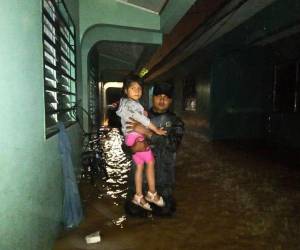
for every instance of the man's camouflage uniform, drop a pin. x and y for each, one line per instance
(164, 149)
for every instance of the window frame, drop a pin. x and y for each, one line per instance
(59, 66)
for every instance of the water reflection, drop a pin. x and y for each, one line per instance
(119, 222)
(117, 165)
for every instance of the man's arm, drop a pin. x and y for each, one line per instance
(171, 141)
(135, 126)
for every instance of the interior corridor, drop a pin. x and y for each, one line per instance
(229, 196)
(234, 70)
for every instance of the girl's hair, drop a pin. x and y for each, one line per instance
(129, 80)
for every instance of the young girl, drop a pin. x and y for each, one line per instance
(130, 107)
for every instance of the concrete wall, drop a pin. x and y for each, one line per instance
(198, 121)
(31, 176)
(234, 95)
(230, 95)
(114, 13)
(243, 79)
(239, 92)
(199, 73)
(177, 104)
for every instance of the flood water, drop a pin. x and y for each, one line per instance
(229, 196)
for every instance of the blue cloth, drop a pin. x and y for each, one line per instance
(72, 209)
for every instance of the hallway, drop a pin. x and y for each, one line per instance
(228, 197)
(234, 70)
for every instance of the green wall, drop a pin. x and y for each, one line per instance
(114, 13)
(243, 78)
(238, 95)
(195, 70)
(108, 12)
(173, 12)
(234, 80)
(177, 96)
(31, 175)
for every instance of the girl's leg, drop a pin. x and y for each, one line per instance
(152, 195)
(138, 178)
(150, 175)
(138, 198)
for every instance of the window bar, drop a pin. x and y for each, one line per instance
(70, 17)
(61, 18)
(66, 41)
(68, 60)
(48, 16)
(53, 89)
(48, 40)
(59, 65)
(59, 70)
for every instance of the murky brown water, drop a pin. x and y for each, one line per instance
(228, 197)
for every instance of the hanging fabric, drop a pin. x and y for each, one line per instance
(72, 209)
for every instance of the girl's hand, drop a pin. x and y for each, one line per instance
(145, 113)
(161, 131)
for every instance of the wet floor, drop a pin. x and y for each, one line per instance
(229, 196)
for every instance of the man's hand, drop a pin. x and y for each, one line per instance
(135, 126)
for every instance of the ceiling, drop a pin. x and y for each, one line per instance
(117, 59)
(154, 6)
(228, 17)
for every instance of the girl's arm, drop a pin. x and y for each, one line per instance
(134, 125)
(131, 111)
(156, 130)
(146, 122)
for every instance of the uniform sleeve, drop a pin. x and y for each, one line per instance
(176, 133)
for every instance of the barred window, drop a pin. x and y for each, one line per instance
(189, 94)
(93, 96)
(59, 65)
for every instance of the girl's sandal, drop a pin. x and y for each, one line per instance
(137, 200)
(150, 197)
